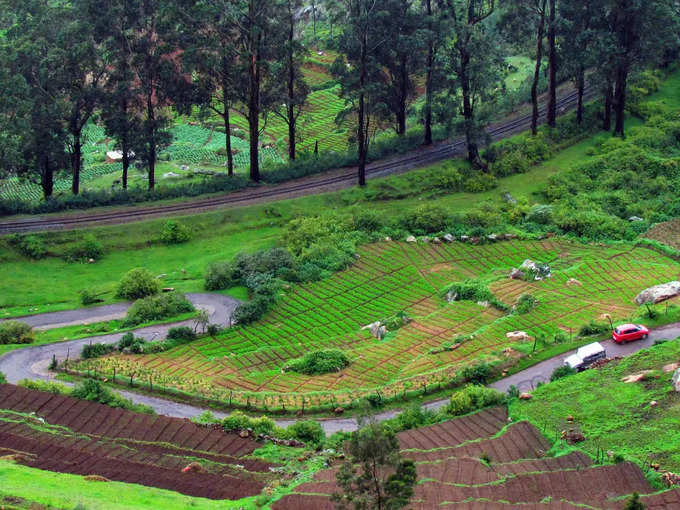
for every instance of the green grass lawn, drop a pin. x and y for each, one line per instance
(614, 415)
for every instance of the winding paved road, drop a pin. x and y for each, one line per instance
(32, 362)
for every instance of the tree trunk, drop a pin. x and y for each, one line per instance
(620, 100)
(225, 116)
(403, 96)
(552, 70)
(151, 139)
(47, 179)
(291, 87)
(537, 71)
(361, 135)
(580, 86)
(76, 162)
(468, 112)
(608, 98)
(428, 78)
(254, 99)
(125, 143)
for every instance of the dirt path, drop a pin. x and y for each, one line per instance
(32, 362)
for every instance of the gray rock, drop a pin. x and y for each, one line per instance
(492, 237)
(170, 175)
(516, 274)
(658, 293)
(464, 238)
(451, 296)
(508, 198)
(184, 168)
(676, 380)
(635, 218)
(411, 239)
(449, 238)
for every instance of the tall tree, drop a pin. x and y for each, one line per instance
(579, 31)
(474, 64)
(642, 29)
(33, 104)
(83, 71)
(209, 39)
(551, 113)
(258, 40)
(358, 67)
(374, 476)
(401, 58)
(295, 93)
(514, 22)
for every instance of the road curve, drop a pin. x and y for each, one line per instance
(32, 363)
(324, 182)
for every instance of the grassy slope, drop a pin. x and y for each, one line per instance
(614, 415)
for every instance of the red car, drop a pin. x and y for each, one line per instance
(629, 332)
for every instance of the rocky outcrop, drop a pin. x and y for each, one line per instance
(658, 293)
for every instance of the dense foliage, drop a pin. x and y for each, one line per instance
(154, 308)
(318, 363)
(15, 332)
(137, 284)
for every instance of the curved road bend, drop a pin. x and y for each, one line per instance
(320, 183)
(32, 362)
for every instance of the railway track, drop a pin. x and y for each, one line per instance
(416, 159)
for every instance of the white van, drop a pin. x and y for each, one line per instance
(586, 356)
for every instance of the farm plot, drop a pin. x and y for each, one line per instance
(516, 472)
(245, 363)
(667, 233)
(67, 435)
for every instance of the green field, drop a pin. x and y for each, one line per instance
(614, 415)
(244, 363)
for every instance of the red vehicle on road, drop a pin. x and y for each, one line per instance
(629, 332)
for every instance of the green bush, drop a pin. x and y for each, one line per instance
(30, 246)
(91, 351)
(3, 379)
(252, 310)
(562, 371)
(154, 308)
(472, 398)
(175, 232)
(594, 328)
(479, 183)
(308, 431)
(472, 290)
(15, 332)
(181, 333)
(220, 276)
(318, 363)
(368, 221)
(426, 219)
(526, 303)
(477, 374)
(137, 284)
(84, 250)
(89, 297)
(45, 386)
(94, 391)
(239, 421)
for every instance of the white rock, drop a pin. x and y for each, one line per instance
(411, 239)
(449, 238)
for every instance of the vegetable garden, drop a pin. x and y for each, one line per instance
(244, 365)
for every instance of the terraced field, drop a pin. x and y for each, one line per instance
(667, 233)
(67, 435)
(244, 364)
(517, 474)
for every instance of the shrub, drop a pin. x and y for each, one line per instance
(594, 328)
(3, 379)
(562, 371)
(308, 431)
(318, 362)
(175, 232)
(84, 250)
(89, 297)
(472, 398)
(15, 332)
(220, 276)
(94, 391)
(252, 310)
(137, 284)
(154, 308)
(426, 219)
(368, 221)
(181, 333)
(477, 374)
(45, 386)
(472, 290)
(96, 350)
(239, 421)
(541, 214)
(526, 303)
(30, 246)
(480, 183)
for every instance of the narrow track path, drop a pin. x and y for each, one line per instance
(325, 182)
(32, 362)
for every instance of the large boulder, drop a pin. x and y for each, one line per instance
(658, 293)
(676, 380)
